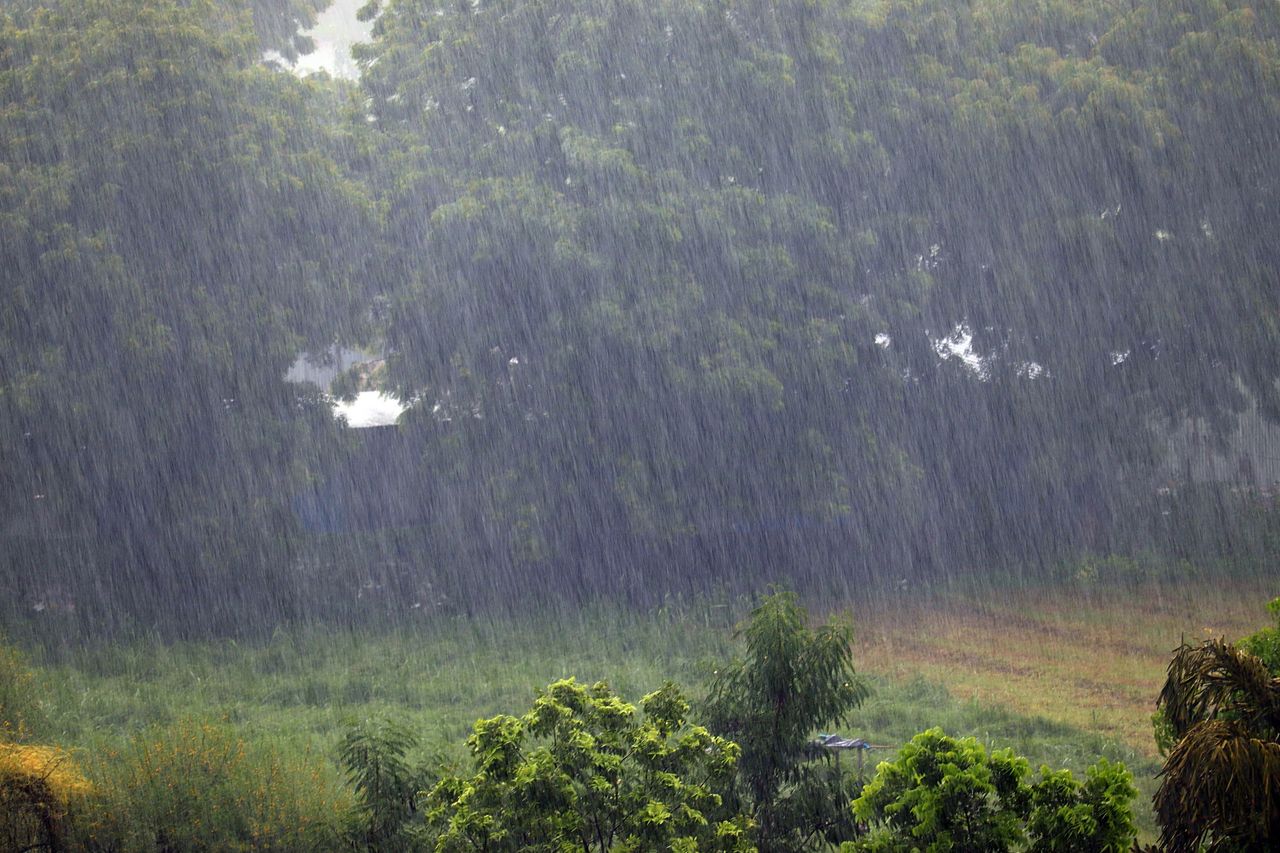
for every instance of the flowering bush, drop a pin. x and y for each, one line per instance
(38, 787)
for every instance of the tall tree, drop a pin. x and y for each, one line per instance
(175, 232)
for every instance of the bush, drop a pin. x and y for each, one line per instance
(584, 770)
(946, 794)
(39, 785)
(1265, 644)
(196, 786)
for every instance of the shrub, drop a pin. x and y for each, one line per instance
(1265, 644)
(584, 770)
(38, 786)
(197, 786)
(946, 794)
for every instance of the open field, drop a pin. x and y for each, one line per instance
(1092, 658)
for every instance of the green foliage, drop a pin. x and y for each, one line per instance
(279, 23)
(1163, 732)
(374, 756)
(1093, 816)
(197, 786)
(715, 225)
(19, 708)
(290, 696)
(793, 681)
(585, 770)
(167, 205)
(947, 794)
(1265, 644)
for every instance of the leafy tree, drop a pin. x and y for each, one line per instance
(584, 770)
(169, 212)
(279, 24)
(654, 277)
(947, 794)
(1094, 816)
(792, 682)
(1221, 780)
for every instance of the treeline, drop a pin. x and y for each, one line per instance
(682, 293)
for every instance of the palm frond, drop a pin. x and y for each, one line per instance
(1221, 785)
(1214, 678)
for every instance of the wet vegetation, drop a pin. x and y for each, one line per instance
(958, 319)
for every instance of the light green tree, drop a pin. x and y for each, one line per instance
(949, 794)
(584, 770)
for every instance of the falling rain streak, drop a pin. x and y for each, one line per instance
(365, 366)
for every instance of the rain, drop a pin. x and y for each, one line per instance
(639, 424)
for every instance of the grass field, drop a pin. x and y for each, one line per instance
(1063, 675)
(1092, 658)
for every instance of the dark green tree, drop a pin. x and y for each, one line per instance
(791, 682)
(279, 24)
(175, 231)
(658, 273)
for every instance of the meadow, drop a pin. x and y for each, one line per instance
(193, 742)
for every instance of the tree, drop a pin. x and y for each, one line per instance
(947, 794)
(640, 326)
(1221, 780)
(654, 277)
(279, 24)
(1265, 644)
(792, 682)
(584, 770)
(373, 755)
(174, 225)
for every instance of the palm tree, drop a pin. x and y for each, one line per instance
(1221, 785)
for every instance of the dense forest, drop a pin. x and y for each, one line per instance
(679, 295)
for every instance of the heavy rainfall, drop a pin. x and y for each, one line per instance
(503, 425)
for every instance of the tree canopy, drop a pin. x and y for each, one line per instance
(817, 289)
(171, 238)
(695, 267)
